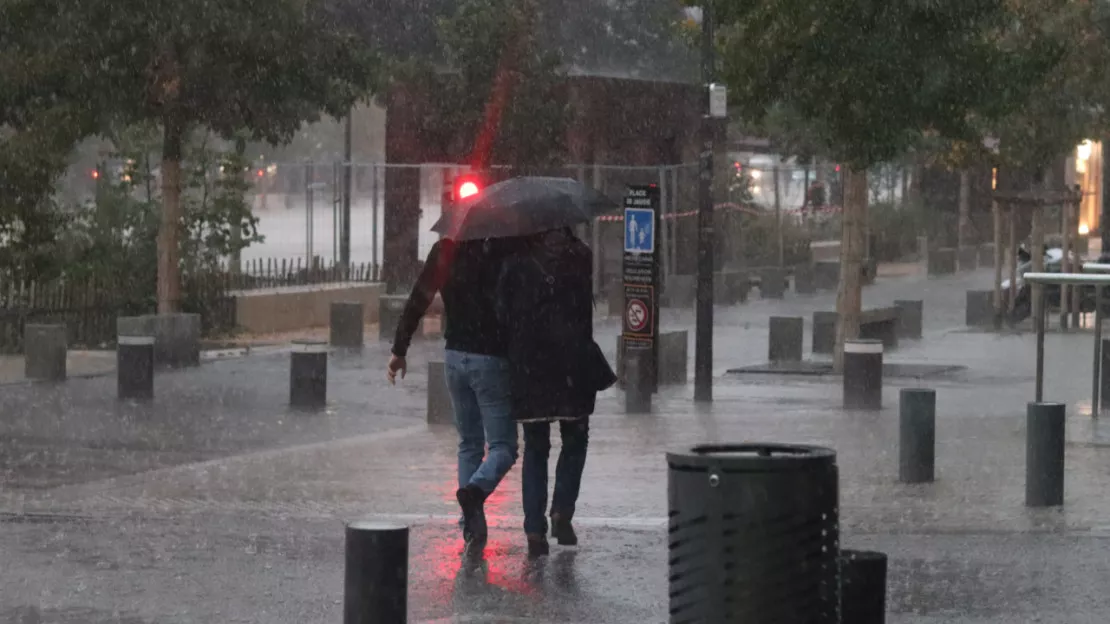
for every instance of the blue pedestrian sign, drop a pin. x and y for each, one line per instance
(639, 230)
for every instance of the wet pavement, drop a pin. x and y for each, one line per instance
(218, 503)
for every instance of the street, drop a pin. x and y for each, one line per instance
(219, 503)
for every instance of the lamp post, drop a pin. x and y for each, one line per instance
(714, 108)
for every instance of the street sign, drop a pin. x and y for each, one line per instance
(639, 230)
(638, 315)
(641, 270)
(718, 101)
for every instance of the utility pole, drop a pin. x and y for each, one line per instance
(345, 225)
(703, 335)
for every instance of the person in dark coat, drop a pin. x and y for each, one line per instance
(545, 302)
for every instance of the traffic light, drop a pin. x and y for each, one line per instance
(466, 186)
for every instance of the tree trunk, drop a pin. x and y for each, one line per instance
(169, 229)
(963, 232)
(849, 298)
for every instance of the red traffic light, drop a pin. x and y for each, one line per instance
(467, 186)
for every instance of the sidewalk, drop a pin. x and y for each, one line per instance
(217, 503)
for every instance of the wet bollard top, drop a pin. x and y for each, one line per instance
(753, 534)
(135, 367)
(308, 374)
(863, 374)
(375, 588)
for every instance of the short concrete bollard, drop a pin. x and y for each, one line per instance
(44, 349)
(980, 308)
(308, 374)
(135, 367)
(376, 573)
(673, 356)
(917, 435)
(911, 314)
(826, 275)
(738, 284)
(942, 261)
(863, 374)
(347, 325)
(824, 332)
(805, 280)
(637, 381)
(772, 283)
(862, 587)
(968, 258)
(1044, 454)
(390, 309)
(440, 410)
(785, 339)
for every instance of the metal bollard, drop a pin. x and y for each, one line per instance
(753, 534)
(346, 327)
(376, 574)
(785, 339)
(911, 314)
(862, 587)
(1044, 454)
(863, 374)
(44, 348)
(308, 374)
(638, 384)
(917, 435)
(135, 367)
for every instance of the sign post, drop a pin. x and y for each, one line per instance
(641, 274)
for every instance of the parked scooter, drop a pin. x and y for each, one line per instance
(1053, 263)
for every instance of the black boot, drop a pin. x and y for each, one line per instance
(562, 530)
(472, 502)
(537, 545)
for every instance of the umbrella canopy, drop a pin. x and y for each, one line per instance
(523, 206)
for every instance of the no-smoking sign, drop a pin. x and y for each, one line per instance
(638, 315)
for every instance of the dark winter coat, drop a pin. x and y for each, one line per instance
(545, 303)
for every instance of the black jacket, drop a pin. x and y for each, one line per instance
(545, 302)
(466, 275)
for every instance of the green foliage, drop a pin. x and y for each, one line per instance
(482, 41)
(869, 79)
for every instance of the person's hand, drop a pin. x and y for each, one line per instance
(396, 365)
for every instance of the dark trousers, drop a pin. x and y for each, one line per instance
(568, 471)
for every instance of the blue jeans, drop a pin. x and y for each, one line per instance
(479, 388)
(568, 471)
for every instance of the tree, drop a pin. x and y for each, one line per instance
(872, 77)
(227, 66)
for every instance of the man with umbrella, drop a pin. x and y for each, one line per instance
(545, 305)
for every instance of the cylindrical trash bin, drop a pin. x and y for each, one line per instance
(135, 367)
(308, 374)
(375, 588)
(917, 435)
(862, 587)
(753, 534)
(863, 374)
(1044, 454)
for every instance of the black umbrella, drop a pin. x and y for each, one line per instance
(522, 206)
